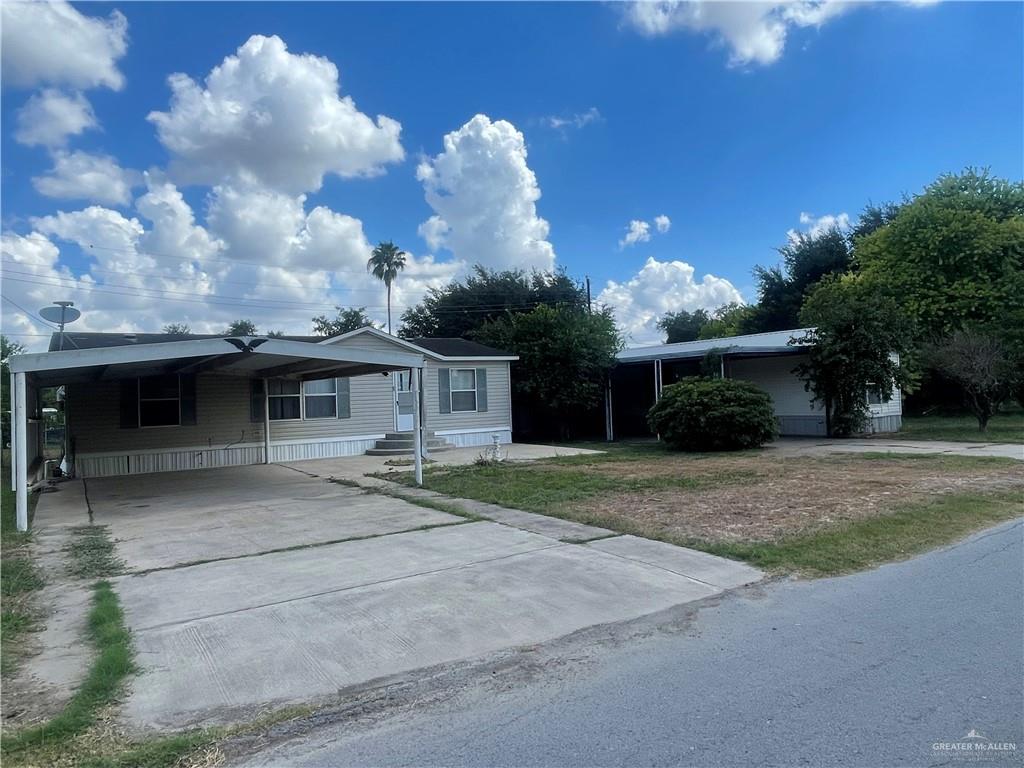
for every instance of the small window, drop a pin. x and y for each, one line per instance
(159, 401)
(877, 396)
(285, 399)
(463, 386)
(321, 399)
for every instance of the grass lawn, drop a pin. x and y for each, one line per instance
(1003, 428)
(810, 515)
(19, 579)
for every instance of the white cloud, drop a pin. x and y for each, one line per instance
(484, 197)
(576, 120)
(84, 176)
(662, 223)
(275, 117)
(815, 226)
(637, 232)
(52, 43)
(754, 32)
(50, 116)
(660, 287)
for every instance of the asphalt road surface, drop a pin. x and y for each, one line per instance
(892, 667)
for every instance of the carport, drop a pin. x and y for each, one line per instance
(247, 357)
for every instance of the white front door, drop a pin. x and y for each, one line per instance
(403, 401)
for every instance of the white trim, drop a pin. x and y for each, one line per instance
(475, 390)
(338, 439)
(475, 430)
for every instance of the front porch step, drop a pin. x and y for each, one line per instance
(405, 451)
(401, 444)
(431, 443)
(427, 434)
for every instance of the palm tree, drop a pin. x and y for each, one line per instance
(386, 261)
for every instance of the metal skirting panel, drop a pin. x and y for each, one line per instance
(891, 423)
(165, 461)
(320, 450)
(813, 426)
(469, 439)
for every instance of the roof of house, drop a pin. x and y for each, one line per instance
(771, 343)
(445, 347)
(448, 347)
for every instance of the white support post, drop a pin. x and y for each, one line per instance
(14, 464)
(19, 430)
(266, 421)
(417, 434)
(424, 450)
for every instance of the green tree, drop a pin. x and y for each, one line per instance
(727, 320)
(806, 259)
(386, 261)
(857, 329)
(178, 329)
(953, 256)
(460, 308)
(242, 328)
(565, 355)
(683, 325)
(980, 363)
(348, 319)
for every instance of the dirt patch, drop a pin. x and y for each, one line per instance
(790, 495)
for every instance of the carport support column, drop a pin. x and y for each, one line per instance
(266, 421)
(417, 427)
(19, 460)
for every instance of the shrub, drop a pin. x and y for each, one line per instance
(699, 414)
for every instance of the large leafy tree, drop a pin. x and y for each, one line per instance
(857, 330)
(242, 327)
(727, 320)
(565, 355)
(952, 256)
(385, 262)
(348, 319)
(683, 325)
(806, 259)
(981, 364)
(459, 308)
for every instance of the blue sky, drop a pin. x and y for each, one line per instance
(729, 120)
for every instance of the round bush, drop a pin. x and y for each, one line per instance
(698, 414)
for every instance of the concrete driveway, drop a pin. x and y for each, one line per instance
(257, 587)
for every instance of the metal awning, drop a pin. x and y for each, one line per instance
(246, 356)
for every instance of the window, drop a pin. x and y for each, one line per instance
(877, 396)
(284, 399)
(463, 385)
(321, 398)
(159, 401)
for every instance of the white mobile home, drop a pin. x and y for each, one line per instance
(140, 403)
(768, 360)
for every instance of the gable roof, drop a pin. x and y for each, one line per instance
(443, 349)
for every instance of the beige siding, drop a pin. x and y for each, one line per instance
(775, 376)
(372, 414)
(374, 343)
(498, 399)
(222, 418)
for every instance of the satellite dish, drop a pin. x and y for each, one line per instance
(62, 312)
(60, 315)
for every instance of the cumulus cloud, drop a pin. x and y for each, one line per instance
(660, 287)
(51, 116)
(273, 116)
(484, 198)
(815, 226)
(51, 43)
(662, 223)
(637, 232)
(753, 32)
(84, 176)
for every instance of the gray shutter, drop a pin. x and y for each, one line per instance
(187, 390)
(344, 389)
(481, 389)
(129, 404)
(256, 396)
(444, 389)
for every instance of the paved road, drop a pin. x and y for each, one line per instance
(867, 670)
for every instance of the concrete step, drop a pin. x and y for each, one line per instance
(404, 451)
(428, 433)
(431, 443)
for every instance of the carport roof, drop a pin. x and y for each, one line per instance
(246, 356)
(752, 345)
